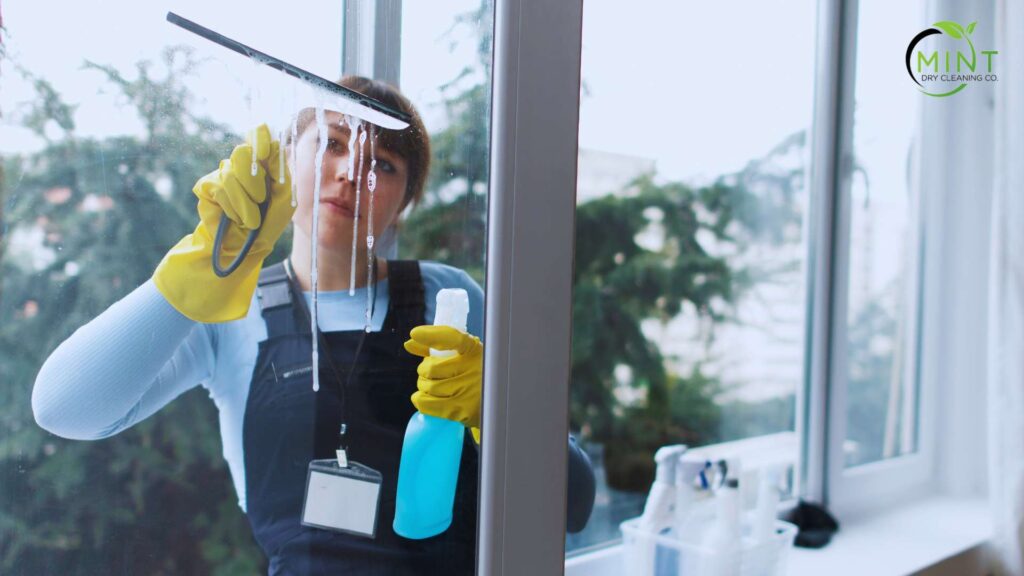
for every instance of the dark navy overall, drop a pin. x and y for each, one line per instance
(287, 425)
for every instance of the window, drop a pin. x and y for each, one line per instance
(878, 402)
(689, 302)
(707, 229)
(99, 162)
(883, 255)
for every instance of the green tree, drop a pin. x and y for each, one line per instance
(450, 225)
(618, 283)
(155, 499)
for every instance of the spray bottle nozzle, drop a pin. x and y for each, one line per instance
(665, 461)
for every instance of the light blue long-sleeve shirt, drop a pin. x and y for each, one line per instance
(141, 353)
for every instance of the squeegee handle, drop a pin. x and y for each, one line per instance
(222, 229)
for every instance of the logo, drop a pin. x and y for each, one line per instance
(942, 60)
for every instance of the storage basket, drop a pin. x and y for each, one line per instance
(649, 554)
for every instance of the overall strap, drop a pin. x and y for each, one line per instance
(407, 303)
(275, 297)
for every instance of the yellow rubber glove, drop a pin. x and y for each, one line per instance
(185, 276)
(448, 387)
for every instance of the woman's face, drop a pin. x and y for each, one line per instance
(338, 192)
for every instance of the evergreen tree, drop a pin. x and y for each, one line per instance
(157, 498)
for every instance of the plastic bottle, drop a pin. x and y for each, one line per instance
(689, 524)
(723, 542)
(658, 508)
(767, 506)
(657, 515)
(432, 450)
(689, 493)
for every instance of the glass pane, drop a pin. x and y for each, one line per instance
(211, 449)
(881, 337)
(689, 299)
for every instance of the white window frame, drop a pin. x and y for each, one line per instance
(528, 293)
(948, 275)
(861, 489)
(531, 212)
(946, 325)
(531, 236)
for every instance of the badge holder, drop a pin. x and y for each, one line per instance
(343, 499)
(341, 495)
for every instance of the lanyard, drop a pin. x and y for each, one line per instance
(342, 383)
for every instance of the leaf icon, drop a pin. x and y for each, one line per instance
(952, 28)
(970, 27)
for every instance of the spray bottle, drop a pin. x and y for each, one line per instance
(657, 514)
(723, 541)
(693, 490)
(432, 450)
(767, 505)
(658, 508)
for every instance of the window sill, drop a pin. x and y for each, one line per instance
(928, 535)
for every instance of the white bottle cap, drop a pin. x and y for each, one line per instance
(452, 308)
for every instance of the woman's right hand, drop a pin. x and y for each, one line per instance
(185, 276)
(235, 191)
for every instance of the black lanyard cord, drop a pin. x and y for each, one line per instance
(342, 384)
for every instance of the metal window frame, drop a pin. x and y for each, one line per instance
(528, 295)
(812, 425)
(371, 39)
(531, 215)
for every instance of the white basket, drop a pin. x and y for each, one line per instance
(648, 554)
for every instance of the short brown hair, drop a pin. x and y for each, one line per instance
(412, 143)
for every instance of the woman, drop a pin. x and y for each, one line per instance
(246, 338)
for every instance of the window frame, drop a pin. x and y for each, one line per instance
(947, 274)
(528, 323)
(528, 291)
(371, 33)
(852, 490)
(530, 230)
(871, 487)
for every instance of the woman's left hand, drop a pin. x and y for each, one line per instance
(449, 387)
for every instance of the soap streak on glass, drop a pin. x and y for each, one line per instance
(322, 137)
(284, 105)
(371, 185)
(354, 124)
(295, 144)
(280, 156)
(254, 168)
(355, 219)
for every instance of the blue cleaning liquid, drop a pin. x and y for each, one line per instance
(427, 476)
(432, 450)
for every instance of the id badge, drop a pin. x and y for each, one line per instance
(342, 499)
